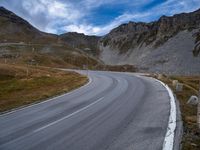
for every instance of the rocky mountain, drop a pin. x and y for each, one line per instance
(83, 42)
(20, 42)
(165, 45)
(16, 29)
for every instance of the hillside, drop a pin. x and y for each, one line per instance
(22, 43)
(89, 44)
(16, 29)
(21, 85)
(163, 46)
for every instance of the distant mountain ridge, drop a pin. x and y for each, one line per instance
(20, 42)
(81, 41)
(16, 29)
(164, 46)
(130, 35)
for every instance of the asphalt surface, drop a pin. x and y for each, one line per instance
(115, 111)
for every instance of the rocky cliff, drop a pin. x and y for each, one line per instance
(164, 46)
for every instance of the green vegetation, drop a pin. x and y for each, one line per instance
(21, 86)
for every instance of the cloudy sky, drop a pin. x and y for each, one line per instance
(93, 17)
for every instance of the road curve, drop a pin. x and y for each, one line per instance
(115, 111)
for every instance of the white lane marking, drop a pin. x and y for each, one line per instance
(70, 115)
(169, 136)
(31, 105)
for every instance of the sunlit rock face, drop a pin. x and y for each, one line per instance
(164, 46)
(170, 45)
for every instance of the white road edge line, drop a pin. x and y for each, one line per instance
(31, 105)
(70, 115)
(169, 136)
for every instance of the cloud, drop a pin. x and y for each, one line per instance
(85, 16)
(101, 30)
(45, 14)
(171, 7)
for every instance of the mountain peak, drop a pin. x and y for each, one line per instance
(5, 11)
(75, 34)
(1, 8)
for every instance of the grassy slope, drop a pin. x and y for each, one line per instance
(191, 136)
(21, 87)
(45, 55)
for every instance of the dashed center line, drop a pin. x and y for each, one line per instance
(70, 115)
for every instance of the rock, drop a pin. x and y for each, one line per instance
(166, 46)
(174, 83)
(160, 76)
(48, 75)
(193, 100)
(163, 46)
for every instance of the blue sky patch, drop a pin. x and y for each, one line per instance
(94, 17)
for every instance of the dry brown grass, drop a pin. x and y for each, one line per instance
(191, 136)
(117, 68)
(22, 85)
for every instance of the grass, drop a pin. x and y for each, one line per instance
(191, 135)
(117, 68)
(21, 87)
(51, 55)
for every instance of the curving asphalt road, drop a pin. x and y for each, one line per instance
(115, 111)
